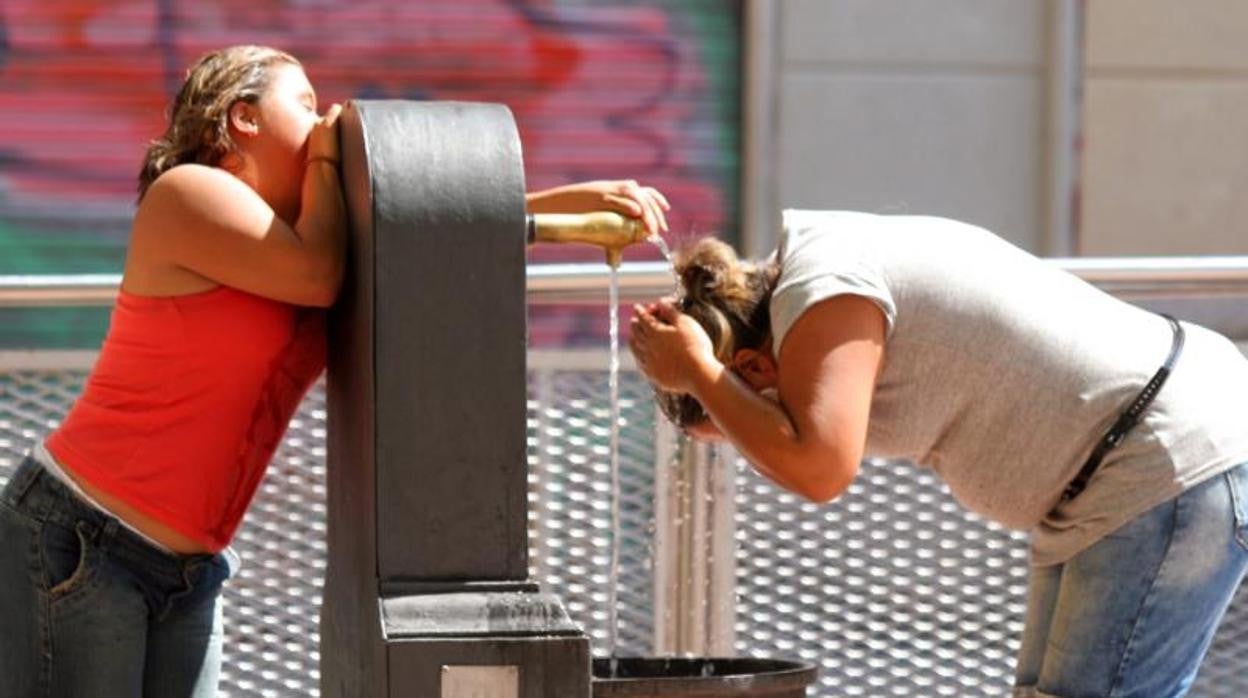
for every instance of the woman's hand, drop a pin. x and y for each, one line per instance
(323, 139)
(670, 347)
(625, 197)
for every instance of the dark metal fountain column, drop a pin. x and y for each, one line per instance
(427, 592)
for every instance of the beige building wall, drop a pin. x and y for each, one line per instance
(1165, 161)
(905, 107)
(956, 108)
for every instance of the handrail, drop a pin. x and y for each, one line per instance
(1170, 277)
(546, 283)
(1126, 277)
(58, 290)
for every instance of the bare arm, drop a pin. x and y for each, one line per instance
(626, 197)
(813, 440)
(205, 220)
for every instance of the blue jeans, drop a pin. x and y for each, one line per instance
(1133, 615)
(91, 609)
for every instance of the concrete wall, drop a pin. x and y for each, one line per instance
(1165, 162)
(972, 109)
(894, 106)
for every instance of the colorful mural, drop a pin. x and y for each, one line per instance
(600, 90)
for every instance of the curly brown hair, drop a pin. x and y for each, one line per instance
(199, 117)
(729, 298)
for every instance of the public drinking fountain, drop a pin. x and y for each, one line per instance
(427, 593)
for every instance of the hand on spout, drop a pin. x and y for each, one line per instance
(625, 197)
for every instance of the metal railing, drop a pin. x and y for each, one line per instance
(1127, 277)
(893, 589)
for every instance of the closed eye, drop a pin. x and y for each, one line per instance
(308, 99)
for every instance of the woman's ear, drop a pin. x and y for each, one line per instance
(756, 367)
(244, 118)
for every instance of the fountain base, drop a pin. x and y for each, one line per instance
(739, 677)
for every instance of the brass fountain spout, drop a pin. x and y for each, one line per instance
(606, 229)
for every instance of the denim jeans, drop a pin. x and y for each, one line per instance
(1133, 615)
(91, 609)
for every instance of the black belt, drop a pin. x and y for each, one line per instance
(1129, 417)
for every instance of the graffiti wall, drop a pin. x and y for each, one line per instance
(647, 90)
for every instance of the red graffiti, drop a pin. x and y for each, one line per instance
(597, 92)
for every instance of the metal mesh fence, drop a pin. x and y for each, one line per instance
(570, 502)
(893, 590)
(896, 590)
(272, 605)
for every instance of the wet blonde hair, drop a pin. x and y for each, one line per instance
(199, 118)
(729, 298)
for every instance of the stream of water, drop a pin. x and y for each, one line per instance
(614, 390)
(613, 383)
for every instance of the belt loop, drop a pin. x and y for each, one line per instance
(23, 480)
(106, 533)
(233, 561)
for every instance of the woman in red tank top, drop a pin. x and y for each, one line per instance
(114, 533)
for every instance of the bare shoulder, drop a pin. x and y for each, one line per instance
(185, 185)
(845, 332)
(188, 214)
(188, 199)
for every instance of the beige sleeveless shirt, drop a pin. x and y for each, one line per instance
(1001, 372)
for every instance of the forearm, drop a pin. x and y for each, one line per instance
(759, 428)
(625, 197)
(562, 199)
(321, 225)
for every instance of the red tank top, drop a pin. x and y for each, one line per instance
(187, 402)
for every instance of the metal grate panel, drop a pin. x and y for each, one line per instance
(570, 501)
(893, 590)
(896, 590)
(272, 605)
